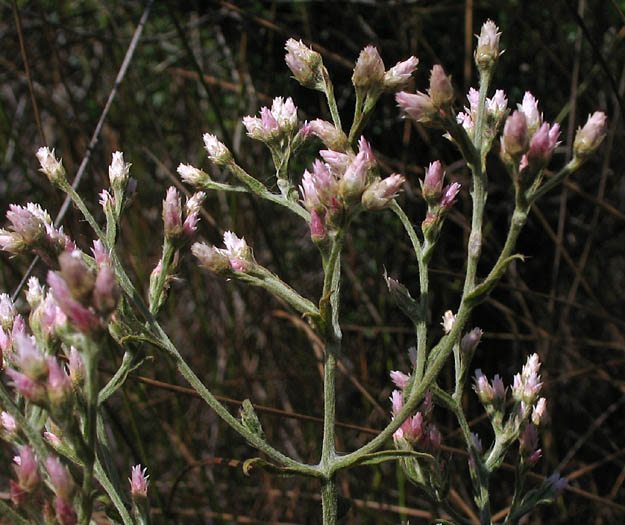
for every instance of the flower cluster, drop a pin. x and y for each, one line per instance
(87, 296)
(236, 256)
(32, 230)
(527, 142)
(341, 181)
(178, 229)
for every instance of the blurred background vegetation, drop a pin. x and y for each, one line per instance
(202, 65)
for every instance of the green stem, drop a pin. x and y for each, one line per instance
(329, 93)
(259, 189)
(421, 323)
(156, 298)
(91, 396)
(184, 369)
(329, 501)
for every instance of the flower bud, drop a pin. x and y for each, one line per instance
(469, 342)
(542, 145)
(76, 274)
(528, 443)
(9, 425)
(529, 108)
(81, 316)
(193, 176)
(76, 367)
(52, 167)
(60, 478)
(65, 512)
(59, 387)
(449, 195)
(25, 386)
(27, 470)
(441, 91)
(515, 139)
(487, 51)
(332, 137)
(369, 70)
(483, 388)
(417, 106)
(118, 171)
(172, 214)
(211, 258)
(29, 358)
(448, 321)
(400, 74)
(381, 192)
(539, 411)
(216, 150)
(432, 185)
(305, 64)
(354, 180)
(7, 311)
(238, 252)
(588, 138)
(317, 229)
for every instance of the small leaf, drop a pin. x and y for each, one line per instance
(252, 463)
(480, 292)
(389, 455)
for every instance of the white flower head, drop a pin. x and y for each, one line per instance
(118, 170)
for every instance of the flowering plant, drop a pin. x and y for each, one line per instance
(91, 304)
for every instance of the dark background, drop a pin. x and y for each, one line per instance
(564, 302)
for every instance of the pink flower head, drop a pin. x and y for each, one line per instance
(539, 411)
(474, 99)
(369, 70)
(217, 151)
(381, 192)
(432, 186)
(441, 91)
(285, 113)
(59, 385)
(59, 476)
(29, 358)
(354, 180)
(27, 470)
(100, 253)
(449, 195)
(497, 104)
(317, 228)
(487, 50)
(542, 145)
(24, 385)
(9, 424)
(588, 138)
(397, 401)
(138, 482)
(400, 379)
(413, 428)
(529, 108)
(237, 251)
(82, 317)
(400, 74)
(515, 138)
(305, 64)
(417, 106)
(332, 137)
(483, 388)
(337, 161)
(52, 167)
